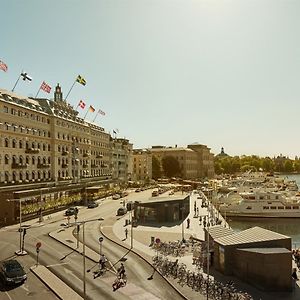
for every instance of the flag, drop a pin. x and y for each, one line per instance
(45, 87)
(81, 80)
(26, 76)
(91, 108)
(81, 104)
(101, 112)
(114, 131)
(3, 66)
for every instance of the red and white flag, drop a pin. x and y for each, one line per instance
(101, 112)
(45, 87)
(81, 104)
(3, 66)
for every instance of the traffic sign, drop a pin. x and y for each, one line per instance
(38, 245)
(100, 239)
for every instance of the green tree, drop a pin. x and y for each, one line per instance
(171, 166)
(156, 168)
(288, 166)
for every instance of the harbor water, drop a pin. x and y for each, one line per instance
(289, 227)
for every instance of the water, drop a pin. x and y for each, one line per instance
(289, 227)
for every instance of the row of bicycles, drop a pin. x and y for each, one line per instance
(198, 281)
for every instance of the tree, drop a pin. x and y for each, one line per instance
(156, 169)
(171, 166)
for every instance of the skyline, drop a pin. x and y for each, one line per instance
(221, 73)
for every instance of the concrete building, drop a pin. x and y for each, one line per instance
(141, 165)
(196, 161)
(49, 155)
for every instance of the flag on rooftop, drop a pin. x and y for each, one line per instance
(45, 87)
(114, 131)
(81, 80)
(3, 66)
(91, 108)
(101, 112)
(26, 76)
(81, 104)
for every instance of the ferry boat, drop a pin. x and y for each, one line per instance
(263, 204)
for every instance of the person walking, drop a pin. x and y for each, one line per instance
(126, 233)
(188, 223)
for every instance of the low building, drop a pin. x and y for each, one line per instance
(162, 209)
(259, 256)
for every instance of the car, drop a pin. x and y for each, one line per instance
(12, 272)
(92, 204)
(116, 196)
(71, 211)
(121, 211)
(138, 190)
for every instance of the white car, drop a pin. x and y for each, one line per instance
(116, 196)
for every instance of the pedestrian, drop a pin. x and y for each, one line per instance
(195, 207)
(294, 274)
(102, 262)
(197, 211)
(126, 233)
(188, 223)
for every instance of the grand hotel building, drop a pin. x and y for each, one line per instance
(49, 155)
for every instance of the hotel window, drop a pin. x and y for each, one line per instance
(280, 207)
(295, 207)
(287, 207)
(5, 109)
(6, 143)
(6, 159)
(266, 207)
(273, 207)
(14, 143)
(33, 160)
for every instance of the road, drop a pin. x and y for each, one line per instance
(70, 269)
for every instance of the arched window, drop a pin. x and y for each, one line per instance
(44, 147)
(6, 176)
(6, 143)
(21, 160)
(27, 175)
(6, 159)
(14, 160)
(49, 160)
(21, 176)
(58, 174)
(27, 145)
(14, 176)
(44, 160)
(58, 148)
(33, 175)
(20, 144)
(27, 159)
(49, 147)
(14, 143)
(39, 175)
(39, 161)
(33, 160)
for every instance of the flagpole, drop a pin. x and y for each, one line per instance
(38, 92)
(85, 114)
(96, 116)
(70, 90)
(16, 82)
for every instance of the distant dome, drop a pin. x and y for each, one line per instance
(222, 153)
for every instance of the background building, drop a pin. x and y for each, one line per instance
(196, 161)
(142, 165)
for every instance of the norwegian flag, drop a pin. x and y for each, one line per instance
(45, 87)
(81, 104)
(3, 66)
(101, 112)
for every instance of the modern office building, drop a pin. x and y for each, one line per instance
(49, 155)
(195, 161)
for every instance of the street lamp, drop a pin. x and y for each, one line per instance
(83, 250)
(21, 251)
(131, 230)
(182, 229)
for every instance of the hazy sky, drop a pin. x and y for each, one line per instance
(221, 73)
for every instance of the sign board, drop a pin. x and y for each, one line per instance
(157, 240)
(100, 239)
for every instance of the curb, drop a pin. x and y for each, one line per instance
(144, 259)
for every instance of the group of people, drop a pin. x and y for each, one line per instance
(296, 258)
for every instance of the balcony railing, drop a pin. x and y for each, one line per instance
(42, 166)
(65, 165)
(99, 156)
(32, 150)
(19, 166)
(86, 155)
(64, 153)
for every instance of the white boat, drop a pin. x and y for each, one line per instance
(261, 204)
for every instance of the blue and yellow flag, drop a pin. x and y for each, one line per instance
(81, 80)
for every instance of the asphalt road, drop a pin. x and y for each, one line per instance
(70, 268)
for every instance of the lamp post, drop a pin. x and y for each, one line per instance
(83, 250)
(182, 228)
(21, 251)
(131, 230)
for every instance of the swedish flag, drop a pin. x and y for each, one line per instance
(81, 80)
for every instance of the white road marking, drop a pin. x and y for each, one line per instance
(8, 296)
(54, 265)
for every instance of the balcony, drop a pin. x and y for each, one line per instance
(86, 155)
(85, 166)
(42, 166)
(32, 150)
(65, 165)
(19, 166)
(99, 156)
(64, 153)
